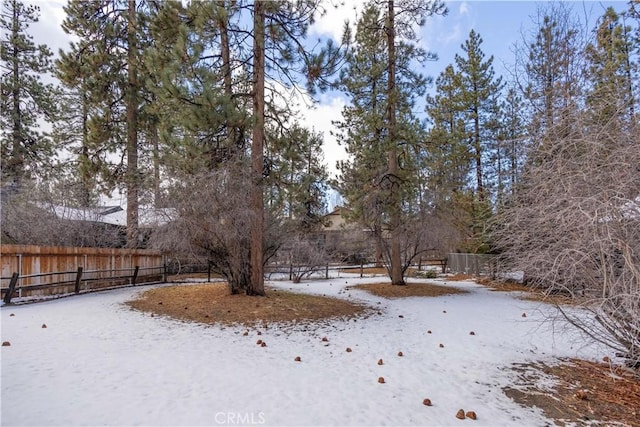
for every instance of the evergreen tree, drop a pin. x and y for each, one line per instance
(104, 65)
(279, 28)
(210, 67)
(610, 71)
(510, 145)
(379, 130)
(552, 71)
(297, 182)
(479, 93)
(25, 98)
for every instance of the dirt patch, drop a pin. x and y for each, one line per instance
(531, 294)
(579, 392)
(386, 290)
(213, 304)
(459, 277)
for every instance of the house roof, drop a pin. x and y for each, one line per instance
(115, 215)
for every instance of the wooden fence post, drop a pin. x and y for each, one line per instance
(209, 272)
(12, 288)
(135, 275)
(164, 272)
(326, 271)
(78, 277)
(361, 268)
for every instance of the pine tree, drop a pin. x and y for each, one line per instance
(610, 71)
(104, 65)
(450, 157)
(552, 71)
(510, 145)
(25, 98)
(298, 180)
(379, 130)
(212, 65)
(479, 92)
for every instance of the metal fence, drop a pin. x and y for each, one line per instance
(471, 264)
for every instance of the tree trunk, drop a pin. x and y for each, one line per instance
(396, 260)
(257, 157)
(155, 142)
(478, 153)
(84, 153)
(132, 131)
(17, 154)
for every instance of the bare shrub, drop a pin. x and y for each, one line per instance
(34, 216)
(211, 224)
(307, 255)
(574, 228)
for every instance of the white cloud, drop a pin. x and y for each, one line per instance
(463, 9)
(336, 13)
(48, 29)
(320, 118)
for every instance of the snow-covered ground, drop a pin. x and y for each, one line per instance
(98, 362)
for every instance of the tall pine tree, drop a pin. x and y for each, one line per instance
(26, 100)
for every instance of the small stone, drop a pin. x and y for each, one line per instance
(472, 333)
(6, 343)
(524, 314)
(380, 362)
(325, 339)
(606, 359)
(441, 345)
(44, 326)
(348, 349)
(381, 380)
(471, 415)
(297, 359)
(444, 311)
(259, 333)
(264, 344)
(401, 316)
(429, 331)
(400, 354)
(187, 308)
(426, 402)
(160, 303)
(259, 342)
(245, 333)
(582, 395)
(460, 414)
(11, 315)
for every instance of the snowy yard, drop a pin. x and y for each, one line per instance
(98, 362)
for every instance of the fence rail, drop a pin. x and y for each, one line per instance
(40, 271)
(472, 264)
(82, 282)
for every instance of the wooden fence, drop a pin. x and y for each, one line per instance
(36, 271)
(472, 264)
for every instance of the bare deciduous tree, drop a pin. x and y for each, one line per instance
(37, 216)
(574, 228)
(307, 255)
(211, 224)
